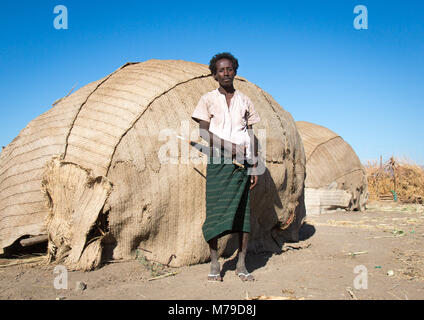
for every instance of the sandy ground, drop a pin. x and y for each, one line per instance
(382, 244)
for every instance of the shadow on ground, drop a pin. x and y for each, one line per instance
(257, 261)
(306, 231)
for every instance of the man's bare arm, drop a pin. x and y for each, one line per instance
(253, 142)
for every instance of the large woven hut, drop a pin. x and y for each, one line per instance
(103, 175)
(332, 166)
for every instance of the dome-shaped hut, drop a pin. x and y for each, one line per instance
(102, 172)
(331, 166)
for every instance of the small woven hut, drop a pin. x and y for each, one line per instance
(90, 172)
(335, 176)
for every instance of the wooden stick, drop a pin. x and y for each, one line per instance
(189, 142)
(351, 294)
(356, 253)
(394, 295)
(33, 240)
(58, 100)
(163, 276)
(396, 285)
(197, 170)
(26, 261)
(399, 236)
(170, 259)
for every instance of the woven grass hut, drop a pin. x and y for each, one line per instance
(89, 173)
(332, 164)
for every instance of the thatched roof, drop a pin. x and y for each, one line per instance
(331, 160)
(106, 136)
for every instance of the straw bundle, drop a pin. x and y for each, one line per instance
(75, 201)
(398, 179)
(98, 153)
(331, 163)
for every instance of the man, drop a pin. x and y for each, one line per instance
(225, 117)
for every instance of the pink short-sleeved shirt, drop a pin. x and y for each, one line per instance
(228, 123)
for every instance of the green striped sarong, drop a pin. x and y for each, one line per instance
(227, 199)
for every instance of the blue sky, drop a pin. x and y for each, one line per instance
(366, 85)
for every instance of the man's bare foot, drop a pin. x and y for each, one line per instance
(243, 274)
(215, 274)
(245, 277)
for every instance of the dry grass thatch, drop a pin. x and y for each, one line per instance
(396, 179)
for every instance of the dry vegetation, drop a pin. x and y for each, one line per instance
(398, 179)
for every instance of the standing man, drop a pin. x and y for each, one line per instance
(225, 117)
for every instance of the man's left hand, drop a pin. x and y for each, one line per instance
(253, 181)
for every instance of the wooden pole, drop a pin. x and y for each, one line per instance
(33, 240)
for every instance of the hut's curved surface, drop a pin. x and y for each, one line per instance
(330, 160)
(118, 135)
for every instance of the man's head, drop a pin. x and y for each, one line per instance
(224, 67)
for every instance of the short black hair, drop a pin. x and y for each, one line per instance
(223, 55)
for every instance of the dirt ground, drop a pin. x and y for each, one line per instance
(375, 254)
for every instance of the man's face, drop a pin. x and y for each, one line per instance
(225, 72)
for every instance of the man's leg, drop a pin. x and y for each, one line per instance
(241, 263)
(215, 271)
